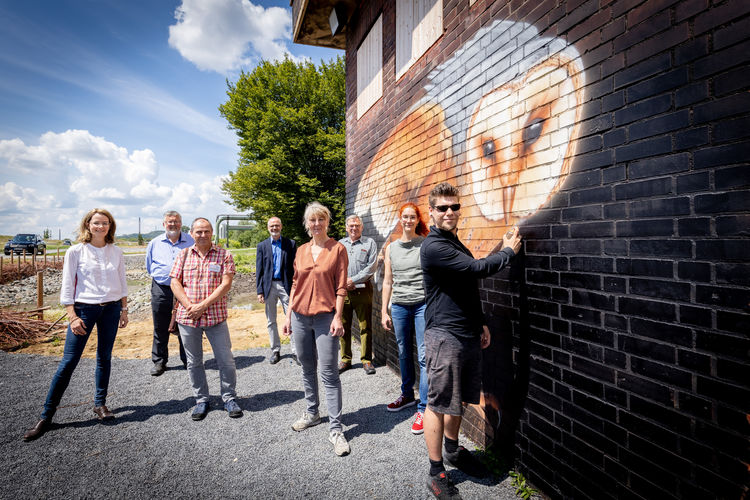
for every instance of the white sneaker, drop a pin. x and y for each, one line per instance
(305, 421)
(340, 446)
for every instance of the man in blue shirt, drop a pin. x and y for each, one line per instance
(160, 255)
(274, 270)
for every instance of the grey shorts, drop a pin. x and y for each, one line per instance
(454, 371)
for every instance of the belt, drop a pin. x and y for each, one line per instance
(276, 279)
(102, 304)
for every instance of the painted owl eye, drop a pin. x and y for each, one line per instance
(532, 132)
(488, 148)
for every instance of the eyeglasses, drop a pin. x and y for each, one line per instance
(444, 208)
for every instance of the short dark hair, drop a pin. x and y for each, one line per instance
(442, 190)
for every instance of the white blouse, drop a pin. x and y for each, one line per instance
(93, 275)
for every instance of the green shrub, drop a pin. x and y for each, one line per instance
(244, 262)
(523, 490)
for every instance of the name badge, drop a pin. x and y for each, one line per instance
(214, 268)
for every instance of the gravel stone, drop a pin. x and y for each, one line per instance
(139, 296)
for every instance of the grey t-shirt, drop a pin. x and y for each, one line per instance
(407, 272)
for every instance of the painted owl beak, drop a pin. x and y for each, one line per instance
(509, 194)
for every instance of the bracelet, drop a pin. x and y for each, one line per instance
(124, 309)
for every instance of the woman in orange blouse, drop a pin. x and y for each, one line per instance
(316, 303)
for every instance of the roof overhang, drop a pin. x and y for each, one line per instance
(315, 20)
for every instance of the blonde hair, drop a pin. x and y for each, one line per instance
(315, 208)
(84, 233)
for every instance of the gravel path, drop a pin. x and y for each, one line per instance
(153, 449)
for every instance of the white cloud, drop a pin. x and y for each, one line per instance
(66, 174)
(16, 199)
(223, 35)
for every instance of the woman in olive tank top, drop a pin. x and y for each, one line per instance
(402, 287)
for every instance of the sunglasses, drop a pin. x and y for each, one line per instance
(444, 208)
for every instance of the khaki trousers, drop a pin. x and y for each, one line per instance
(358, 301)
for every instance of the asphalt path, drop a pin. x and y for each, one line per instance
(153, 449)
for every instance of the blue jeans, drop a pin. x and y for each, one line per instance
(107, 319)
(408, 319)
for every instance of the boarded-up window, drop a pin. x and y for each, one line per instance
(370, 68)
(418, 24)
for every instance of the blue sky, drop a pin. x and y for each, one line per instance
(113, 104)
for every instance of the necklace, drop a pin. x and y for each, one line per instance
(98, 254)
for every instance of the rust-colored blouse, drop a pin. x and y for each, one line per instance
(317, 283)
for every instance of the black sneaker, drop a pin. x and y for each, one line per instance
(275, 357)
(157, 369)
(442, 487)
(464, 461)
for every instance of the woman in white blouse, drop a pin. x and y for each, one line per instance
(94, 292)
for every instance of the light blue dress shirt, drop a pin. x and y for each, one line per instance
(276, 249)
(160, 255)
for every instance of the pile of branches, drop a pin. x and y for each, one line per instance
(19, 329)
(12, 273)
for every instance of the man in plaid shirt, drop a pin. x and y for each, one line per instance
(201, 278)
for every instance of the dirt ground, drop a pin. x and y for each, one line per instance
(246, 328)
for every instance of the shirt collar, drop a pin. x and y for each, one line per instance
(180, 238)
(443, 233)
(213, 248)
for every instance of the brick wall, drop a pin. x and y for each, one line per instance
(621, 335)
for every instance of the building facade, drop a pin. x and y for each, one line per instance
(616, 134)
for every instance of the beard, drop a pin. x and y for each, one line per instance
(173, 234)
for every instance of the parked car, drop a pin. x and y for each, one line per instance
(67, 242)
(32, 243)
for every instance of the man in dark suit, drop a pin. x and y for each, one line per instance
(274, 270)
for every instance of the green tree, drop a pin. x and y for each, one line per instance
(289, 118)
(249, 238)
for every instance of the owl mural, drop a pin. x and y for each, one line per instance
(499, 119)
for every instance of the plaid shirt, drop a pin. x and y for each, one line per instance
(200, 276)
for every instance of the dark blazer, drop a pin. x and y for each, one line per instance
(264, 265)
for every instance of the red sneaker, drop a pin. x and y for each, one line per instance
(417, 427)
(401, 403)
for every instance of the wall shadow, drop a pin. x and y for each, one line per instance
(505, 379)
